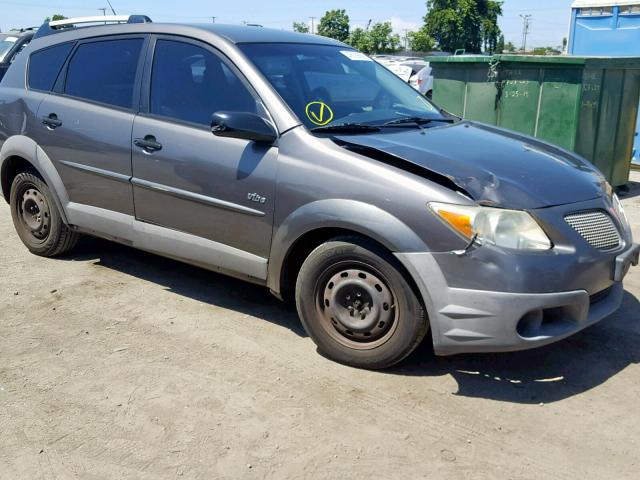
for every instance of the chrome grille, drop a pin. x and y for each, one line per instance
(596, 227)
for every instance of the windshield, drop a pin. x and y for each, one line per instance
(5, 45)
(332, 85)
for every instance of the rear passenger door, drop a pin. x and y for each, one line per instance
(220, 189)
(85, 124)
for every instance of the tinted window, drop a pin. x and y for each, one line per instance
(44, 66)
(105, 71)
(190, 83)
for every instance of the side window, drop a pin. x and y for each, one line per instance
(44, 66)
(190, 83)
(105, 71)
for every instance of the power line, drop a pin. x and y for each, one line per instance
(111, 6)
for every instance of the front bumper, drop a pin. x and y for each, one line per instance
(467, 320)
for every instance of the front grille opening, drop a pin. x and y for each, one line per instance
(596, 227)
(547, 322)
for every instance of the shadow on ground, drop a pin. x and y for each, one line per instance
(630, 190)
(546, 374)
(543, 375)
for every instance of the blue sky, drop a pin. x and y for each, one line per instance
(550, 17)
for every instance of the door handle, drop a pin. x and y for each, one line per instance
(52, 121)
(148, 144)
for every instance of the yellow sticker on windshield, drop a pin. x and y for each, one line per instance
(319, 113)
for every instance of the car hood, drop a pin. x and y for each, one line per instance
(493, 166)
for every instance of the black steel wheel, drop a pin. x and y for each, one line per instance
(357, 306)
(36, 217)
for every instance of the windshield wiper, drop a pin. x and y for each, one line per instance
(416, 120)
(346, 128)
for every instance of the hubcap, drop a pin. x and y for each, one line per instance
(357, 307)
(35, 213)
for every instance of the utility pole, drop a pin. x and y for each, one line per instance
(104, 11)
(313, 25)
(213, 19)
(526, 24)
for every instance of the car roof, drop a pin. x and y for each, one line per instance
(232, 33)
(17, 33)
(250, 34)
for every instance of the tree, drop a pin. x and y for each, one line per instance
(300, 27)
(489, 12)
(55, 17)
(335, 24)
(383, 40)
(510, 47)
(420, 41)
(467, 24)
(377, 38)
(360, 39)
(546, 51)
(500, 45)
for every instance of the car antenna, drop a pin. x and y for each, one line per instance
(111, 7)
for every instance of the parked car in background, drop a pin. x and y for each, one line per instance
(423, 81)
(239, 149)
(413, 70)
(12, 43)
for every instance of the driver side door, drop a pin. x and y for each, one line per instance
(185, 178)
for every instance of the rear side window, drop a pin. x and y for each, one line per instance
(190, 83)
(105, 71)
(44, 66)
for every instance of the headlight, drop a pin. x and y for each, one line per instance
(622, 216)
(513, 229)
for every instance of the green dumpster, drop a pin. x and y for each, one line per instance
(585, 104)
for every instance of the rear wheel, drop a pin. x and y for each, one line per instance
(357, 306)
(36, 217)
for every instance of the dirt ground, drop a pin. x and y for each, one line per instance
(119, 364)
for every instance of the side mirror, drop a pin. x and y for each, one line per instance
(244, 125)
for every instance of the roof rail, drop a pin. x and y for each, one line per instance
(56, 26)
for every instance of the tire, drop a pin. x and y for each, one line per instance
(357, 306)
(37, 219)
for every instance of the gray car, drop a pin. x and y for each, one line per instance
(295, 162)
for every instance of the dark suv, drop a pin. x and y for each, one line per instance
(296, 162)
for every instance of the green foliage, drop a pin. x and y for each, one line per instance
(377, 38)
(468, 24)
(383, 40)
(510, 47)
(300, 27)
(500, 45)
(361, 40)
(335, 24)
(55, 17)
(420, 41)
(546, 51)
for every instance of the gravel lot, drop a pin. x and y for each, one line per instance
(119, 364)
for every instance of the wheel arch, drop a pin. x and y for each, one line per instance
(313, 224)
(19, 153)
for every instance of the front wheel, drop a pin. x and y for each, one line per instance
(36, 217)
(357, 306)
